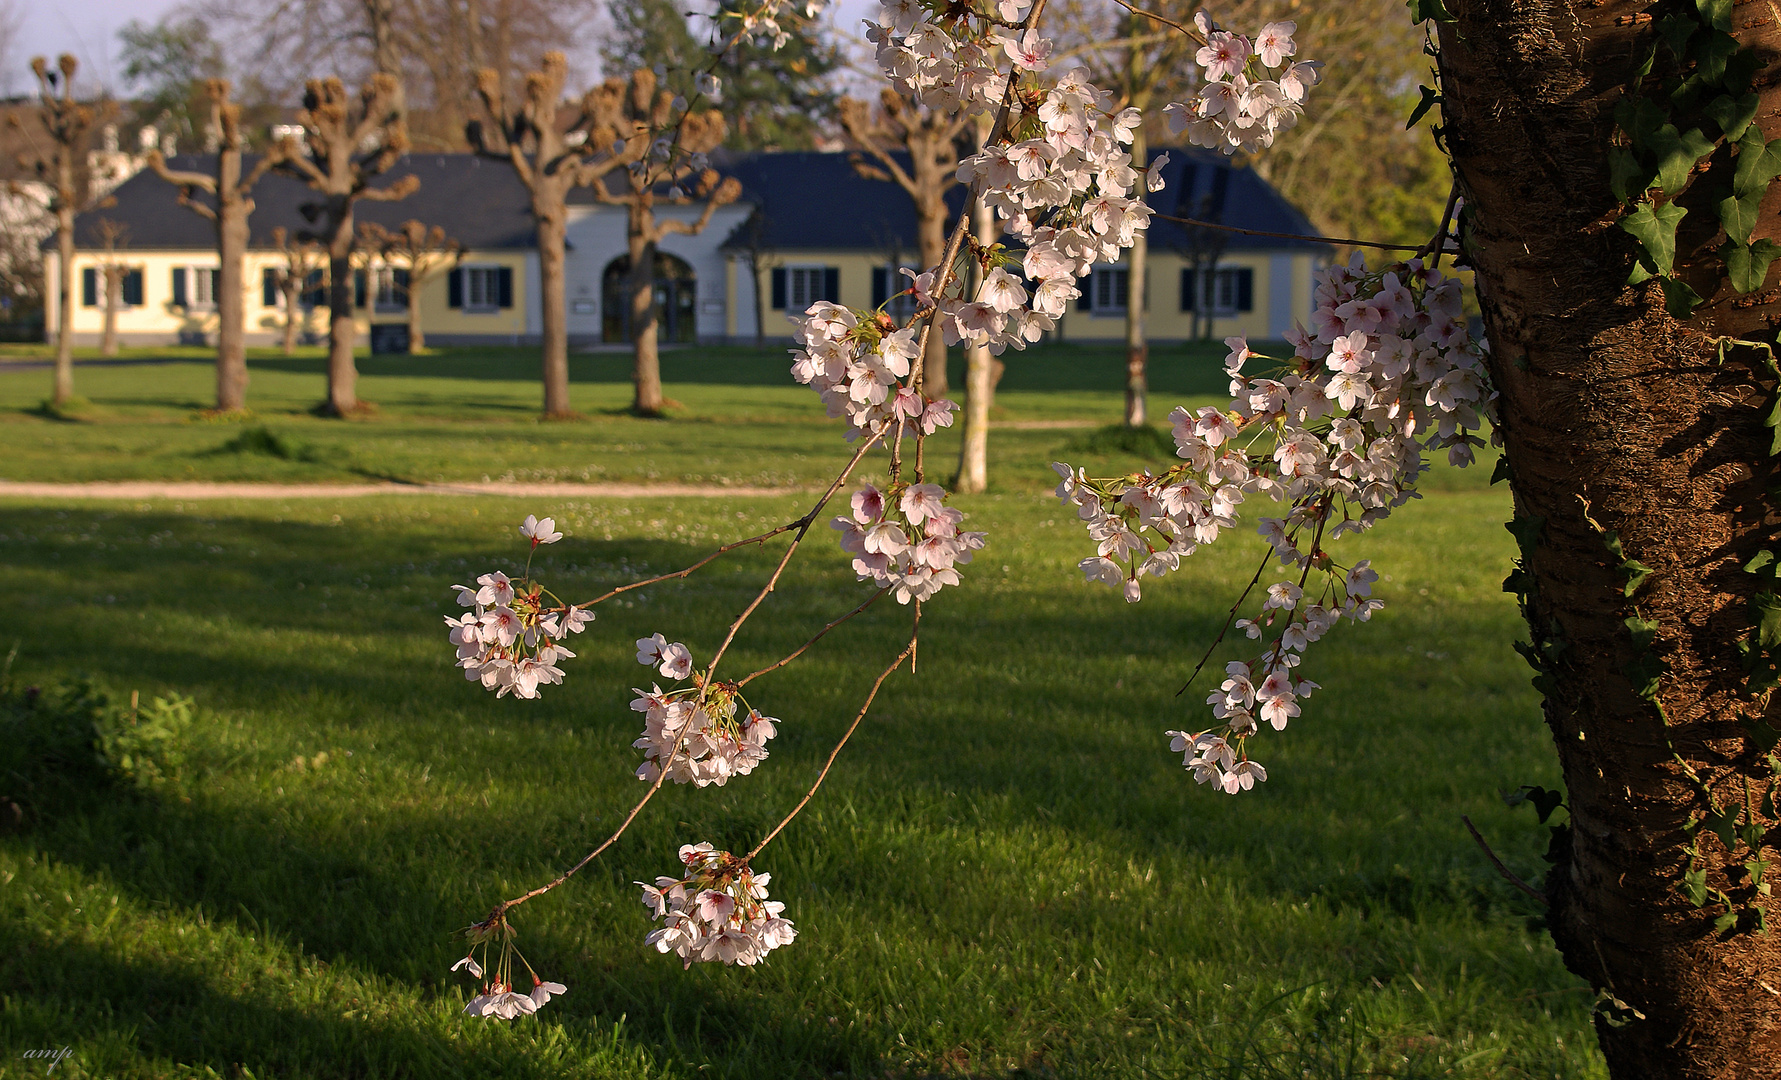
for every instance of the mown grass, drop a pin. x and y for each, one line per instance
(470, 414)
(1008, 873)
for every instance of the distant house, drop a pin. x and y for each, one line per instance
(808, 227)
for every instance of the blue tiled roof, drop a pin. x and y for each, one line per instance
(806, 200)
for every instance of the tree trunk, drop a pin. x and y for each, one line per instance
(417, 340)
(114, 299)
(291, 287)
(343, 377)
(551, 307)
(64, 382)
(231, 290)
(1137, 343)
(760, 303)
(980, 381)
(930, 235)
(646, 366)
(1605, 398)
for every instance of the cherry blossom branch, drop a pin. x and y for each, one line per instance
(802, 525)
(870, 600)
(1337, 240)
(908, 651)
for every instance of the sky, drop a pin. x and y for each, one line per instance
(88, 29)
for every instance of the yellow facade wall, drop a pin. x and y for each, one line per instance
(158, 321)
(1165, 320)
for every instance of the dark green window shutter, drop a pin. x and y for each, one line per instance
(505, 286)
(1245, 289)
(454, 289)
(1086, 301)
(880, 285)
(132, 288)
(315, 290)
(779, 288)
(89, 287)
(268, 287)
(179, 286)
(358, 288)
(401, 283)
(831, 284)
(1188, 281)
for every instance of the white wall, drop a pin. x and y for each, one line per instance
(597, 236)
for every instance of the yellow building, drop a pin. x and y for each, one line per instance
(824, 233)
(170, 260)
(808, 227)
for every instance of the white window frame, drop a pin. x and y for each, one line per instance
(804, 285)
(383, 292)
(1103, 280)
(201, 297)
(1222, 294)
(490, 277)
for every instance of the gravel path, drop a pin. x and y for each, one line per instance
(168, 489)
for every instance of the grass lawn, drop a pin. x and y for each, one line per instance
(1007, 874)
(471, 414)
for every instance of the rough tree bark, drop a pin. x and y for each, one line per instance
(1618, 417)
(230, 192)
(929, 140)
(347, 145)
(114, 299)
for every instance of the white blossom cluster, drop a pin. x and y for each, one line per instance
(1252, 90)
(700, 722)
(498, 998)
(1061, 179)
(761, 21)
(856, 362)
(718, 911)
(907, 541)
(1337, 434)
(510, 639)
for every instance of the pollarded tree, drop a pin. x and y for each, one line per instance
(229, 206)
(927, 139)
(675, 160)
(553, 160)
(418, 254)
(68, 124)
(109, 270)
(302, 258)
(347, 145)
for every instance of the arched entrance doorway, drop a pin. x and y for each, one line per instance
(676, 299)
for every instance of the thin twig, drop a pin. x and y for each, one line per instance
(895, 664)
(1501, 869)
(761, 539)
(803, 525)
(1337, 240)
(1191, 32)
(1438, 242)
(1228, 619)
(870, 600)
